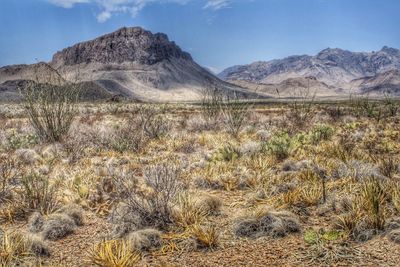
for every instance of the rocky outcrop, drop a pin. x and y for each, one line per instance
(124, 45)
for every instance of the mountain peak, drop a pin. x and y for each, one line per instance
(127, 44)
(390, 50)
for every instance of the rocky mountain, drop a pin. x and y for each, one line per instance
(129, 62)
(337, 68)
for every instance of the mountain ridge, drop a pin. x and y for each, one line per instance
(334, 66)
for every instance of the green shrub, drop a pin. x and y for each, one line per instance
(321, 132)
(280, 145)
(18, 140)
(227, 153)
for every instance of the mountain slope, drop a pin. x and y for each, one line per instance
(291, 87)
(131, 62)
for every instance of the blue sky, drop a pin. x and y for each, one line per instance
(218, 33)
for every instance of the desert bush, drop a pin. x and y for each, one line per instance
(188, 212)
(395, 196)
(330, 254)
(56, 226)
(280, 145)
(207, 182)
(153, 121)
(21, 140)
(267, 223)
(364, 106)
(38, 246)
(391, 105)
(145, 240)
(113, 253)
(321, 132)
(311, 193)
(228, 152)
(335, 112)
(206, 236)
(211, 102)
(131, 137)
(18, 249)
(9, 171)
(394, 236)
(38, 193)
(211, 205)
(154, 207)
(234, 113)
(373, 199)
(358, 170)
(292, 166)
(74, 211)
(124, 221)
(366, 215)
(250, 148)
(50, 102)
(392, 223)
(301, 107)
(388, 166)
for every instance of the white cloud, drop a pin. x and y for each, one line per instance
(110, 7)
(68, 3)
(103, 16)
(217, 4)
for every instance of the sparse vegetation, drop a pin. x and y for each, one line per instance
(140, 184)
(50, 102)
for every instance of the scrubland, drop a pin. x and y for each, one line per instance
(212, 184)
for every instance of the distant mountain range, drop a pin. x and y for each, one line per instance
(137, 64)
(332, 71)
(130, 62)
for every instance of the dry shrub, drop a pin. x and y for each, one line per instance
(394, 236)
(327, 254)
(50, 101)
(205, 236)
(267, 223)
(74, 211)
(153, 206)
(301, 108)
(373, 199)
(129, 137)
(57, 225)
(209, 204)
(211, 102)
(388, 166)
(145, 240)
(367, 213)
(18, 249)
(234, 114)
(113, 253)
(188, 212)
(9, 171)
(153, 121)
(39, 193)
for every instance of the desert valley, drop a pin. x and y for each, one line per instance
(123, 151)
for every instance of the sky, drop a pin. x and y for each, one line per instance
(217, 33)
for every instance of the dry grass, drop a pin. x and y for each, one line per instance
(113, 253)
(199, 186)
